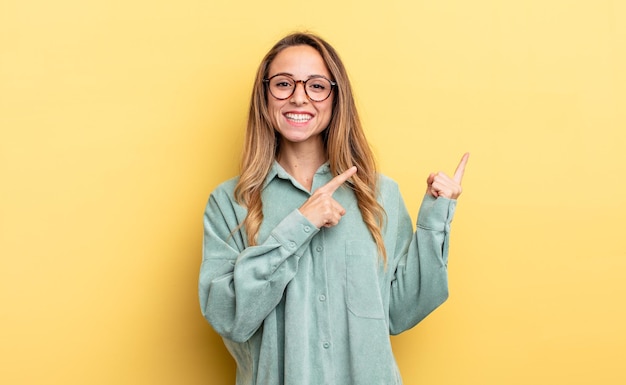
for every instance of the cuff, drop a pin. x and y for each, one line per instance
(294, 231)
(436, 213)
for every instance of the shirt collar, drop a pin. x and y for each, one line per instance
(278, 171)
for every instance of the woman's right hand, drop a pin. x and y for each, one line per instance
(321, 209)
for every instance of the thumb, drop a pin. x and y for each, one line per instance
(430, 179)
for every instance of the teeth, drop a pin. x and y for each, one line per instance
(298, 117)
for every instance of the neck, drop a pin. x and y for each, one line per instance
(302, 160)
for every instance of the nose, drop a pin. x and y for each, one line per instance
(299, 95)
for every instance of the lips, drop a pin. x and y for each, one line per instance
(298, 117)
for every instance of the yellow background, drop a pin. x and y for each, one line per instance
(118, 118)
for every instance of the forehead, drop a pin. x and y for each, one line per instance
(301, 61)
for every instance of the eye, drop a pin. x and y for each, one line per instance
(282, 82)
(318, 85)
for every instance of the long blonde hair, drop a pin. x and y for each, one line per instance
(344, 142)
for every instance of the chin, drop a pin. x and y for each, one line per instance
(295, 139)
(295, 136)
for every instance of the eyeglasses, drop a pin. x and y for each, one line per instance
(317, 88)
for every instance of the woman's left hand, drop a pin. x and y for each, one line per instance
(441, 185)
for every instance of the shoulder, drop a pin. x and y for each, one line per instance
(386, 185)
(227, 185)
(389, 195)
(225, 191)
(222, 203)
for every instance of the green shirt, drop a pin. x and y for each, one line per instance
(309, 306)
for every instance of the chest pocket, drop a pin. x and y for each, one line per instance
(363, 296)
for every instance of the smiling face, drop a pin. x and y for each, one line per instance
(297, 119)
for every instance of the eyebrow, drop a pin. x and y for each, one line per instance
(291, 75)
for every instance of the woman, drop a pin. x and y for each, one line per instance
(310, 261)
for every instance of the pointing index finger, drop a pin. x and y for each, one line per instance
(337, 181)
(460, 169)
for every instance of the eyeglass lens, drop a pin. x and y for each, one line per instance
(316, 88)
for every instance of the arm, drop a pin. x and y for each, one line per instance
(420, 280)
(239, 286)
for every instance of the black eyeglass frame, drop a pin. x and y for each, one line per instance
(332, 85)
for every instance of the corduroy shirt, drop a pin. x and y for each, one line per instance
(316, 306)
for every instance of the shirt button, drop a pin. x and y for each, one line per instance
(292, 244)
(322, 297)
(307, 229)
(319, 249)
(326, 345)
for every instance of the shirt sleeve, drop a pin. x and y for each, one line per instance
(238, 285)
(420, 277)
